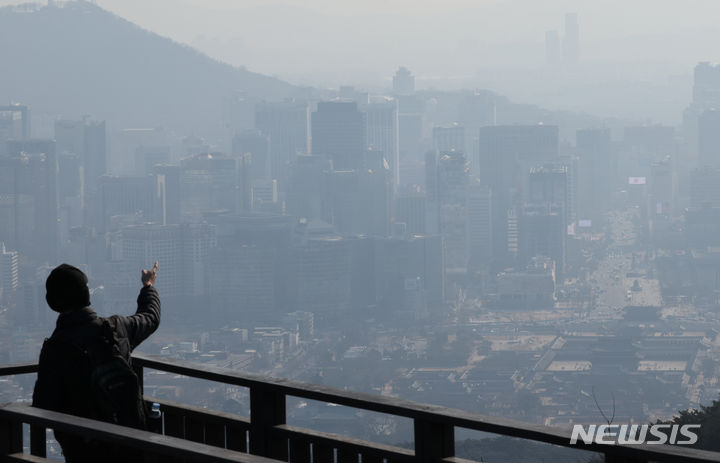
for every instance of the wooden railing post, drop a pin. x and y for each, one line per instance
(433, 441)
(267, 409)
(11, 439)
(38, 439)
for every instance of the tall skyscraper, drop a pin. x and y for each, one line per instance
(167, 178)
(706, 96)
(662, 188)
(9, 271)
(705, 187)
(128, 200)
(287, 124)
(594, 177)
(546, 214)
(82, 159)
(309, 180)
(252, 263)
(410, 126)
(257, 146)
(182, 249)
(209, 182)
(339, 133)
(706, 85)
(28, 186)
(410, 211)
(449, 138)
(320, 274)
(383, 133)
(709, 138)
(542, 232)
(505, 155)
(14, 124)
(548, 186)
(361, 201)
(479, 213)
(452, 181)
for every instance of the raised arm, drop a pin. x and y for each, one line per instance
(147, 316)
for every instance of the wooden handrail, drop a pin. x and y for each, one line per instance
(145, 441)
(423, 412)
(434, 425)
(18, 369)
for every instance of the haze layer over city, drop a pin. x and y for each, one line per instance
(509, 208)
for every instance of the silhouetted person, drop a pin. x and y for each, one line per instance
(80, 342)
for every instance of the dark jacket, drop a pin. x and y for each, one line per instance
(63, 380)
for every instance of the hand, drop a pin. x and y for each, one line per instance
(148, 276)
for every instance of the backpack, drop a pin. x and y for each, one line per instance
(113, 386)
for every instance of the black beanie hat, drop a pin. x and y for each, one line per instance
(67, 289)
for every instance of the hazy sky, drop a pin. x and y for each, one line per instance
(312, 37)
(487, 43)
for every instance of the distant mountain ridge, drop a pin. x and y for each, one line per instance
(80, 59)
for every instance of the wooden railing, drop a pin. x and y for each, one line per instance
(266, 433)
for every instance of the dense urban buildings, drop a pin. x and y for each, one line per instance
(445, 246)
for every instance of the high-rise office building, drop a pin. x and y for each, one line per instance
(81, 148)
(411, 111)
(182, 250)
(706, 85)
(167, 179)
(662, 188)
(410, 211)
(400, 278)
(479, 224)
(706, 96)
(542, 232)
(403, 82)
(252, 263)
(255, 144)
(238, 112)
(265, 196)
(449, 138)
(308, 186)
(127, 200)
(287, 125)
(321, 274)
(383, 133)
(14, 124)
(505, 155)
(709, 138)
(594, 177)
(548, 185)
(361, 201)
(705, 187)
(28, 187)
(339, 133)
(209, 182)
(452, 181)
(9, 271)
